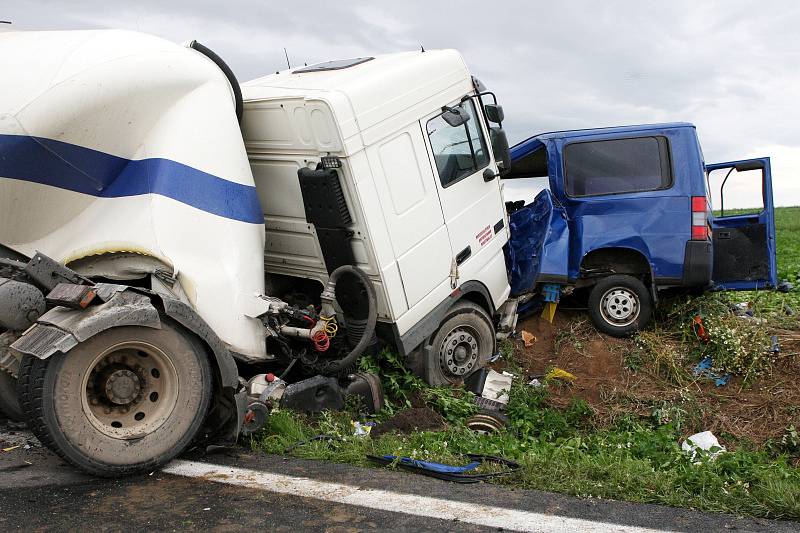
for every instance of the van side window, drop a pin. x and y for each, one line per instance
(458, 151)
(617, 166)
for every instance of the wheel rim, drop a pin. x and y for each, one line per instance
(458, 353)
(619, 306)
(130, 390)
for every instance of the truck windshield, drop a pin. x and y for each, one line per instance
(459, 151)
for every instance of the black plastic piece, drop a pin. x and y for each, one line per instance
(336, 249)
(369, 389)
(698, 261)
(313, 395)
(475, 382)
(46, 273)
(323, 198)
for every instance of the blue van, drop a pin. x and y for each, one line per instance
(629, 211)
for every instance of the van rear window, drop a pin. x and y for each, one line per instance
(617, 166)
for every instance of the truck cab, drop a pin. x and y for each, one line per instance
(386, 163)
(630, 211)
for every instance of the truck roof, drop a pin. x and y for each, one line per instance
(372, 89)
(532, 143)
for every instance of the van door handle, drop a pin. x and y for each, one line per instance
(723, 234)
(463, 255)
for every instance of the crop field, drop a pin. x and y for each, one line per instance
(615, 431)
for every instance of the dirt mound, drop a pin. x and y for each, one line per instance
(410, 420)
(613, 385)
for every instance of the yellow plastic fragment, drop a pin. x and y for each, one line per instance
(549, 311)
(560, 373)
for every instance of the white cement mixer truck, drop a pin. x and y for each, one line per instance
(163, 238)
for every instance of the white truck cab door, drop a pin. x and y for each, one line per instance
(471, 199)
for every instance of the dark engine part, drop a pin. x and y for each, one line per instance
(368, 388)
(20, 304)
(366, 293)
(313, 395)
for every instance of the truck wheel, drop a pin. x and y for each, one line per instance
(462, 344)
(619, 305)
(126, 400)
(9, 404)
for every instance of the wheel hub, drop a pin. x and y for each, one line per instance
(130, 390)
(619, 306)
(123, 386)
(459, 352)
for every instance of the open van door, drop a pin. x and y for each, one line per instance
(742, 225)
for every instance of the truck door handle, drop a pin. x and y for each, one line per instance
(463, 255)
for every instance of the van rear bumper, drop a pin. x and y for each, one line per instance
(698, 263)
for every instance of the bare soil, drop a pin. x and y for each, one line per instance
(410, 420)
(755, 413)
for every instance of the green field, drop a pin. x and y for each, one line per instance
(633, 454)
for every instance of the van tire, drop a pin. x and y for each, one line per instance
(469, 326)
(620, 305)
(9, 403)
(70, 400)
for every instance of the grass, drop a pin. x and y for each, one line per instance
(633, 457)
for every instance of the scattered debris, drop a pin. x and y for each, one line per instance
(362, 430)
(535, 382)
(705, 441)
(497, 386)
(785, 286)
(775, 346)
(449, 472)
(487, 421)
(560, 374)
(699, 329)
(704, 369)
(528, 338)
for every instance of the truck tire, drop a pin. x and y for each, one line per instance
(620, 305)
(463, 343)
(125, 401)
(9, 404)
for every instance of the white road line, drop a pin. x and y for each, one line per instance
(385, 500)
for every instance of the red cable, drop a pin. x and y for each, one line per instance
(321, 341)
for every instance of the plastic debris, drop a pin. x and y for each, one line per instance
(775, 345)
(699, 329)
(528, 338)
(785, 286)
(560, 374)
(458, 474)
(11, 448)
(704, 369)
(362, 430)
(549, 311)
(535, 382)
(497, 385)
(705, 441)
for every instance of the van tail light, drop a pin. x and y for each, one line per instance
(699, 218)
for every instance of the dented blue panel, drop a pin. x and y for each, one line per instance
(529, 227)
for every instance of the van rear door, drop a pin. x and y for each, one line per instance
(742, 224)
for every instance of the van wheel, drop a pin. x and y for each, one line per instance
(126, 400)
(619, 305)
(9, 404)
(463, 343)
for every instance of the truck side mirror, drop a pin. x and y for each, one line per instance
(502, 154)
(455, 116)
(494, 113)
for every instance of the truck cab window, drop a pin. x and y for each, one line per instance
(617, 166)
(459, 151)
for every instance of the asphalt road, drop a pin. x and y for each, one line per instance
(238, 490)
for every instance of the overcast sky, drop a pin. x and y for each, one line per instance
(730, 67)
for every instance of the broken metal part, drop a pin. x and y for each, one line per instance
(487, 422)
(255, 418)
(368, 388)
(47, 273)
(20, 304)
(72, 296)
(313, 395)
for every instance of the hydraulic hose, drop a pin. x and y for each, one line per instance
(237, 90)
(329, 296)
